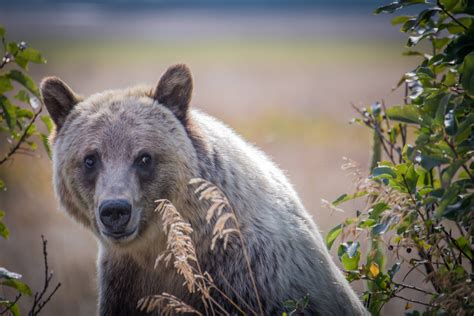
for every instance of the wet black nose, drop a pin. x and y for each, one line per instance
(115, 215)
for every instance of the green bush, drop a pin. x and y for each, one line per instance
(420, 205)
(20, 108)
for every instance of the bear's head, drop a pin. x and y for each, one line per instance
(115, 153)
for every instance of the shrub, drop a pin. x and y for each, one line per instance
(20, 108)
(419, 202)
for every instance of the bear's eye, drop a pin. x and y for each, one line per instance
(143, 160)
(89, 161)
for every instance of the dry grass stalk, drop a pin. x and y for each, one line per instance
(167, 304)
(224, 213)
(181, 251)
(460, 295)
(218, 209)
(399, 203)
(179, 244)
(330, 206)
(180, 248)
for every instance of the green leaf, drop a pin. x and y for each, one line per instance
(377, 210)
(384, 171)
(394, 269)
(11, 308)
(31, 55)
(5, 84)
(425, 15)
(24, 80)
(8, 112)
(411, 2)
(367, 223)
(47, 122)
(448, 173)
(408, 25)
(45, 141)
(349, 255)
(467, 76)
(6, 274)
(332, 235)
(18, 285)
(412, 53)
(407, 114)
(440, 42)
(460, 47)
(350, 263)
(24, 113)
(464, 244)
(2, 31)
(408, 153)
(4, 232)
(448, 198)
(450, 124)
(389, 8)
(23, 96)
(401, 19)
(411, 178)
(430, 161)
(347, 197)
(290, 304)
(12, 48)
(382, 227)
(449, 4)
(352, 249)
(15, 310)
(442, 107)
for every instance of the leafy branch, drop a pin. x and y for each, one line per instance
(18, 124)
(422, 181)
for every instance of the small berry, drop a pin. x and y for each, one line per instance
(390, 247)
(22, 45)
(408, 250)
(7, 58)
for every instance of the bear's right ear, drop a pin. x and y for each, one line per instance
(58, 98)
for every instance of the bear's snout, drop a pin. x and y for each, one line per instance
(115, 215)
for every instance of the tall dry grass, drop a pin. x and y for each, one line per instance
(181, 252)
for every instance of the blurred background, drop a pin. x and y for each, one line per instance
(281, 73)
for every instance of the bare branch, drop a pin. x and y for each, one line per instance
(38, 303)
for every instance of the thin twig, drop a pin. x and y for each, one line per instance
(247, 259)
(11, 304)
(453, 149)
(236, 294)
(387, 121)
(37, 303)
(454, 242)
(22, 138)
(412, 287)
(450, 15)
(41, 305)
(412, 300)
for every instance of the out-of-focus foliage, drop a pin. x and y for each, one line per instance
(420, 206)
(20, 108)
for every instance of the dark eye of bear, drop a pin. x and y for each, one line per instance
(143, 160)
(89, 161)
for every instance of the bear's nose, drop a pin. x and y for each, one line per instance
(115, 215)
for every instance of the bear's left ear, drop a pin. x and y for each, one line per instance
(174, 90)
(59, 99)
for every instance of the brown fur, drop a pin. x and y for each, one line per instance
(115, 128)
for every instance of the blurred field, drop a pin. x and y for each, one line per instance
(284, 80)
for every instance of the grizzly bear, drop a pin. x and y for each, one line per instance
(116, 152)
